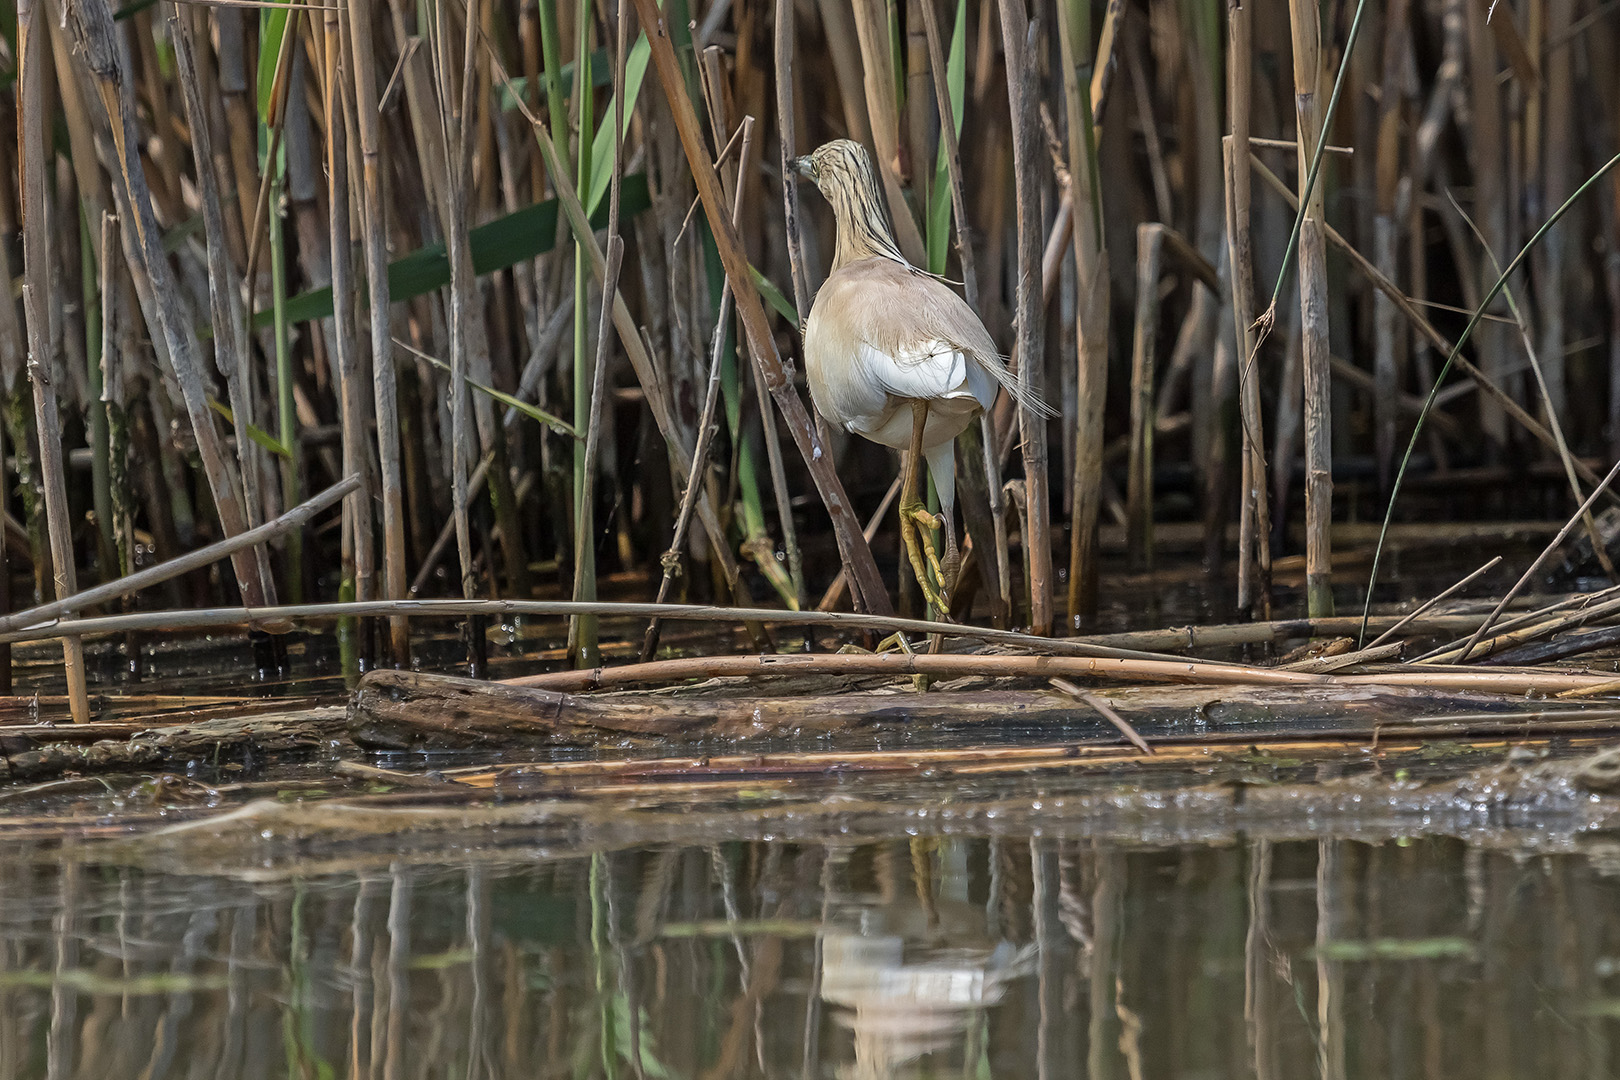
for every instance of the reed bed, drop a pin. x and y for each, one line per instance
(531, 275)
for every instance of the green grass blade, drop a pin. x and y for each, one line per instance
(535, 413)
(774, 297)
(257, 434)
(272, 29)
(635, 69)
(506, 241)
(939, 195)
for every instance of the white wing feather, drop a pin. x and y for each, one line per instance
(926, 370)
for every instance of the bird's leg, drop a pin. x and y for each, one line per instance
(919, 548)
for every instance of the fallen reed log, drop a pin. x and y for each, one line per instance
(954, 665)
(412, 711)
(630, 774)
(43, 754)
(939, 665)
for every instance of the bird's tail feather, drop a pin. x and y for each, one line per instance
(1023, 395)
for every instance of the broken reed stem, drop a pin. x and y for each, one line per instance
(1108, 712)
(31, 145)
(1433, 600)
(1016, 31)
(293, 520)
(1546, 553)
(374, 229)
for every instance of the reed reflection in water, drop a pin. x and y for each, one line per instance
(963, 957)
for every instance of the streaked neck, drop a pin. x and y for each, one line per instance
(863, 227)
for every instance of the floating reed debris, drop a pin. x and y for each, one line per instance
(324, 200)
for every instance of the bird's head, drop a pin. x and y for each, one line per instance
(837, 167)
(842, 170)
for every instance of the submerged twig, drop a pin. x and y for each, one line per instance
(1108, 712)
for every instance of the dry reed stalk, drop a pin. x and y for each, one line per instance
(996, 551)
(357, 550)
(36, 297)
(835, 591)
(582, 635)
(1083, 100)
(1108, 712)
(374, 229)
(1526, 629)
(1309, 78)
(735, 181)
(583, 646)
(1389, 366)
(453, 608)
(1488, 149)
(231, 347)
(787, 140)
(869, 594)
(1254, 521)
(92, 28)
(1016, 33)
(883, 109)
(1139, 483)
(455, 130)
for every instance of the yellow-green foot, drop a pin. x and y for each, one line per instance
(920, 551)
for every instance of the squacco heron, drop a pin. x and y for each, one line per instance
(892, 353)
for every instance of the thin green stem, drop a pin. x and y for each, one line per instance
(1445, 369)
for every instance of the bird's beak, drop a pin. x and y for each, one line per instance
(801, 165)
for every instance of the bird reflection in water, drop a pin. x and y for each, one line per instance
(904, 998)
